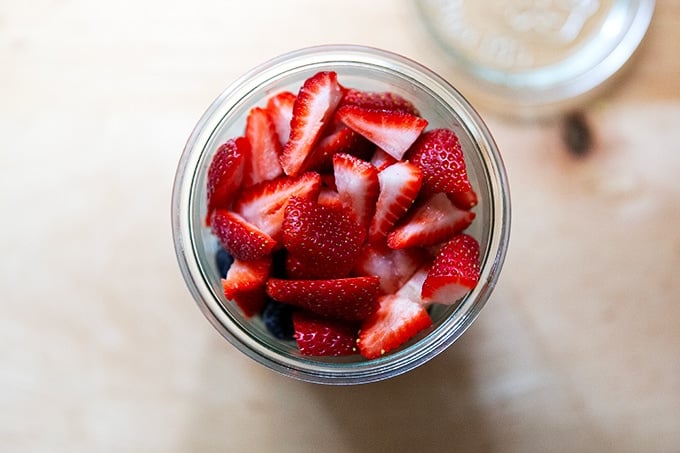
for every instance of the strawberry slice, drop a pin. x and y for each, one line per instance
(245, 284)
(399, 187)
(378, 100)
(329, 197)
(439, 155)
(464, 200)
(435, 219)
(243, 240)
(358, 186)
(313, 108)
(343, 140)
(381, 160)
(264, 204)
(396, 321)
(225, 174)
(349, 299)
(280, 109)
(392, 130)
(265, 148)
(454, 272)
(323, 238)
(393, 267)
(318, 336)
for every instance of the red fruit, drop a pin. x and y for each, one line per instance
(378, 100)
(314, 107)
(439, 155)
(396, 321)
(344, 140)
(435, 219)
(393, 131)
(245, 284)
(381, 160)
(349, 299)
(399, 187)
(329, 197)
(323, 238)
(265, 148)
(455, 271)
(393, 267)
(264, 204)
(280, 109)
(464, 200)
(358, 186)
(318, 336)
(243, 240)
(225, 174)
(413, 287)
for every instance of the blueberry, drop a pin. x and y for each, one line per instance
(278, 319)
(223, 260)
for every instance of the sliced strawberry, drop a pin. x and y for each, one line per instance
(329, 197)
(313, 108)
(324, 238)
(265, 148)
(396, 321)
(455, 271)
(393, 267)
(435, 219)
(245, 284)
(343, 140)
(464, 200)
(413, 287)
(318, 336)
(358, 186)
(378, 100)
(439, 155)
(225, 174)
(381, 160)
(280, 109)
(263, 204)
(243, 240)
(399, 187)
(349, 299)
(393, 131)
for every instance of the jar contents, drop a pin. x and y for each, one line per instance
(344, 218)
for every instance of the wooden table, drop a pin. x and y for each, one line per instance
(103, 349)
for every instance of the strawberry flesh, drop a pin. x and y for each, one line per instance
(378, 100)
(454, 272)
(434, 220)
(244, 241)
(392, 130)
(358, 186)
(280, 109)
(393, 267)
(265, 148)
(245, 284)
(225, 174)
(318, 336)
(349, 299)
(314, 106)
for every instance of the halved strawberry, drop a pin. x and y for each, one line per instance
(329, 197)
(245, 284)
(464, 200)
(265, 148)
(393, 267)
(349, 299)
(399, 187)
(263, 204)
(455, 271)
(413, 287)
(243, 240)
(439, 155)
(225, 174)
(280, 109)
(358, 186)
(396, 321)
(343, 140)
(381, 160)
(392, 130)
(318, 336)
(434, 219)
(313, 108)
(378, 100)
(324, 238)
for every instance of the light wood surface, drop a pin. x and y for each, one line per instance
(103, 349)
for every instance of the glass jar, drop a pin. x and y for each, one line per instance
(364, 68)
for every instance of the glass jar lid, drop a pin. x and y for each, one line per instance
(530, 55)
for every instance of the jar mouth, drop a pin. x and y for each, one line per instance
(371, 69)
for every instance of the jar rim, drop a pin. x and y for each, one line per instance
(183, 223)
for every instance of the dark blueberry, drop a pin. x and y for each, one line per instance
(278, 319)
(223, 260)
